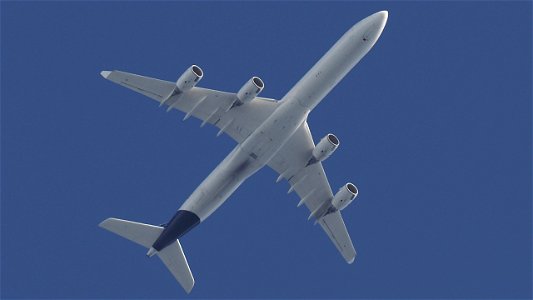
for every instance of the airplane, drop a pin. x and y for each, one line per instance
(268, 133)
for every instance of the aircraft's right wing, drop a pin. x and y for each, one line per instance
(210, 106)
(312, 186)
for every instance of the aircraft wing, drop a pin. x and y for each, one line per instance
(312, 186)
(210, 106)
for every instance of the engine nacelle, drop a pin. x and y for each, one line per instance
(250, 90)
(189, 78)
(324, 148)
(344, 196)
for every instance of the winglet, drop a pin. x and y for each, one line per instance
(105, 74)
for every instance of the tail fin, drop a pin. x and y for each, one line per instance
(145, 235)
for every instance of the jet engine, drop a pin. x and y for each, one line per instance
(344, 196)
(250, 90)
(189, 78)
(324, 148)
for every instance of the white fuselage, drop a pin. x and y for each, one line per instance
(259, 148)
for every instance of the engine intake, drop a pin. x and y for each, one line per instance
(344, 196)
(189, 78)
(324, 148)
(250, 90)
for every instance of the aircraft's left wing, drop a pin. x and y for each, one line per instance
(210, 106)
(312, 186)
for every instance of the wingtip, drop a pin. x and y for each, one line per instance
(105, 222)
(188, 289)
(105, 74)
(102, 224)
(351, 258)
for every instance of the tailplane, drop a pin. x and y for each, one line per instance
(145, 235)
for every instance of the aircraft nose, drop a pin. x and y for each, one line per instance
(377, 19)
(374, 25)
(381, 17)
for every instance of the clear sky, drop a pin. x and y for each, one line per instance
(435, 129)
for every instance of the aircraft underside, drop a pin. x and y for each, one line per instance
(268, 133)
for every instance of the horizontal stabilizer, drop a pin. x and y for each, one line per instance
(145, 235)
(176, 262)
(142, 234)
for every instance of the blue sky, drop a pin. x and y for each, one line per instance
(435, 129)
